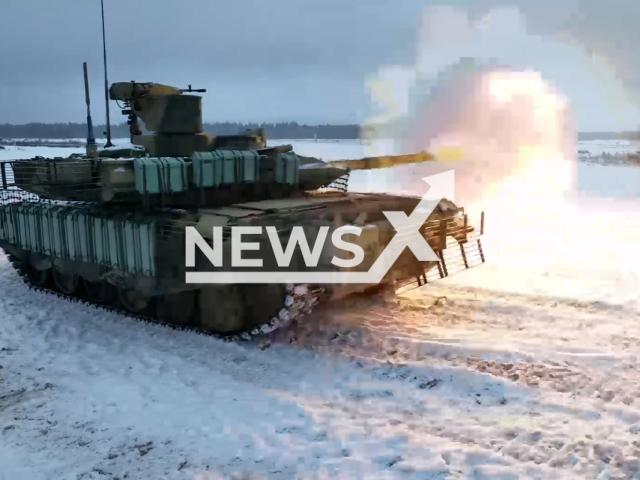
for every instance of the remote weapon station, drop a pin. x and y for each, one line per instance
(111, 226)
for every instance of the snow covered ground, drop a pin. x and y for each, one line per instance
(598, 147)
(523, 368)
(607, 151)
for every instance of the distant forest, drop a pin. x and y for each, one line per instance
(584, 136)
(287, 130)
(290, 130)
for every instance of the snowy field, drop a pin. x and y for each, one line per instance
(524, 368)
(608, 151)
(598, 147)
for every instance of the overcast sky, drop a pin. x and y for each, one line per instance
(309, 60)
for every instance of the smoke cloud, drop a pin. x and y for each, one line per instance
(503, 129)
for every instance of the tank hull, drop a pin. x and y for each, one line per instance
(116, 258)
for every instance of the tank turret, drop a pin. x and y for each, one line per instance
(174, 116)
(185, 167)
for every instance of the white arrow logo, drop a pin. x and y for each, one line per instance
(408, 235)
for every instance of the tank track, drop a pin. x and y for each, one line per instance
(300, 302)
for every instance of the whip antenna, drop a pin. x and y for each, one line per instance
(91, 139)
(106, 82)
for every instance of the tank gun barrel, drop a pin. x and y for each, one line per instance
(315, 173)
(387, 161)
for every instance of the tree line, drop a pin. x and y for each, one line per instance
(288, 130)
(627, 135)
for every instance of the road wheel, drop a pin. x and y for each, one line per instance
(133, 301)
(177, 308)
(102, 293)
(67, 284)
(222, 308)
(263, 302)
(38, 278)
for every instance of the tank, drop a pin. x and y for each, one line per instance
(148, 229)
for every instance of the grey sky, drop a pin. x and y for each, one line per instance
(292, 59)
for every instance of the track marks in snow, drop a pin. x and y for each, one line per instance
(415, 389)
(577, 409)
